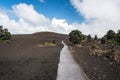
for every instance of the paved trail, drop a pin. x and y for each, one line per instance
(68, 69)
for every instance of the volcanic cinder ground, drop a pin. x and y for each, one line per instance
(23, 59)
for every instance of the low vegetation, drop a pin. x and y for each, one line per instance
(47, 44)
(99, 57)
(95, 46)
(111, 40)
(5, 35)
(96, 50)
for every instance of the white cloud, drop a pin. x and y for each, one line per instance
(30, 21)
(100, 15)
(20, 27)
(28, 13)
(60, 25)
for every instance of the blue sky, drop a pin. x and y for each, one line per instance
(61, 9)
(93, 17)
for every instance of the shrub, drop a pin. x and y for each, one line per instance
(95, 46)
(49, 44)
(4, 34)
(103, 40)
(89, 38)
(99, 52)
(118, 37)
(1, 31)
(75, 36)
(96, 37)
(111, 35)
(54, 42)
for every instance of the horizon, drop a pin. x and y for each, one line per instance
(60, 16)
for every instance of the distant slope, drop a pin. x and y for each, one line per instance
(53, 36)
(40, 37)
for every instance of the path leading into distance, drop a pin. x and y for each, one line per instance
(68, 69)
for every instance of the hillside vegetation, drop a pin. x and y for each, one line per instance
(99, 57)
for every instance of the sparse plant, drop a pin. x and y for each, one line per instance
(54, 42)
(95, 46)
(47, 44)
(99, 52)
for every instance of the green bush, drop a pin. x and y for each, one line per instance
(111, 35)
(95, 46)
(4, 34)
(76, 36)
(103, 40)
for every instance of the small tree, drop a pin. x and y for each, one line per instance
(75, 36)
(103, 40)
(111, 35)
(1, 31)
(96, 37)
(111, 38)
(89, 38)
(118, 37)
(6, 35)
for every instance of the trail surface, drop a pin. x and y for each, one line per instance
(68, 69)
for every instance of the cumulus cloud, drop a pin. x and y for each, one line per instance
(20, 27)
(30, 21)
(100, 15)
(60, 25)
(28, 13)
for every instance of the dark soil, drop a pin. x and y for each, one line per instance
(95, 67)
(22, 59)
